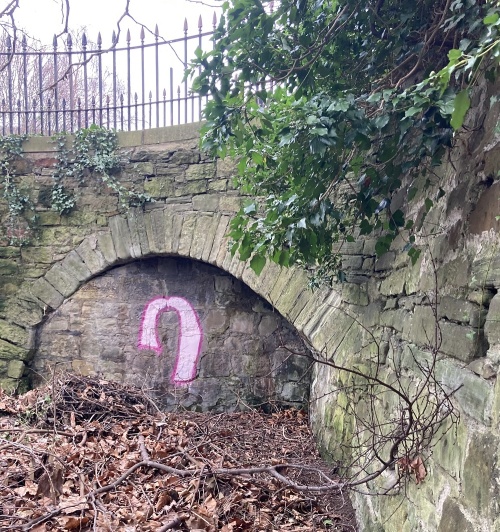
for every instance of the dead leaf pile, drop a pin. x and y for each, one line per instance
(88, 454)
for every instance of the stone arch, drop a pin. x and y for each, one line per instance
(161, 232)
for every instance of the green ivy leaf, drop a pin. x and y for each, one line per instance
(461, 105)
(257, 263)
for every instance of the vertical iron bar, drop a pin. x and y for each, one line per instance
(3, 117)
(178, 104)
(64, 114)
(200, 44)
(129, 92)
(93, 110)
(164, 107)
(25, 84)
(121, 111)
(107, 111)
(85, 80)
(99, 64)
(56, 85)
(71, 87)
(114, 41)
(34, 115)
(157, 71)
(18, 116)
(185, 68)
(40, 88)
(10, 54)
(150, 109)
(143, 110)
(136, 112)
(171, 96)
(79, 113)
(49, 125)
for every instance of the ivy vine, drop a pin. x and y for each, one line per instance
(330, 106)
(93, 152)
(20, 208)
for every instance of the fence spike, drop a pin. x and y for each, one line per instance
(84, 40)
(143, 35)
(114, 38)
(24, 43)
(164, 94)
(69, 41)
(8, 43)
(135, 97)
(200, 23)
(64, 103)
(99, 40)
(150, 95)
(157, 33)
(54, 42)
(128, 37)
(185, 25)
(214, 20)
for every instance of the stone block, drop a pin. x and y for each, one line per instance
(218, 185)
(385, 261)
(190, 188)
(92, 257)
(120, 233)
(106, 247)
(394, 284)
(138, 235)
(75, 266)
(200, 171)
(219, 238)
(8, 267)
(154, 223)
(283, 279)
(185, 157)
(177, 222)
(453, 519)
(479, 472)
(13, 333)
(354, 294)
(457, 310)
(290, 293)
(486, 272)
(143, 169)
(492, 323)
(352, 262)
(46, 293)
(9, 351)
(159, 187)
(200, 235)
(49, 218)
(209, 237)
(396, 319)
(206, 202)
(187, 234)
(229, 204)
(16, 369)
(62, 280)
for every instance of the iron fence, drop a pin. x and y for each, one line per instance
(63, 87)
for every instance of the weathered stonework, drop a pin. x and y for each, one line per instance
(53, 294)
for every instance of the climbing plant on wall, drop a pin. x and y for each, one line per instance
(93, 152)
(328, 105)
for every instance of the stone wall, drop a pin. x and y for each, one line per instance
(240, 364)
(384, 309)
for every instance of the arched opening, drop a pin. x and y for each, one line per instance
(189, 333)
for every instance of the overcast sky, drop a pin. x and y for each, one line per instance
(42, 18)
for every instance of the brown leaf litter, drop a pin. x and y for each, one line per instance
(88, 454)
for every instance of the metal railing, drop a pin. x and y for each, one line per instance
(126, 88)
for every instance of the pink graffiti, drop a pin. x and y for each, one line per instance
(190, 335)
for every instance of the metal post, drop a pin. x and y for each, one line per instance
(99, 64)
(157, 70)
(143, 87)
(114, 40)
(71, 87)
(56, 85)
(10, 52)
(129, 91)
(85, 81)
(24, 45)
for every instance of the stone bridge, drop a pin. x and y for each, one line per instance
(153, 296)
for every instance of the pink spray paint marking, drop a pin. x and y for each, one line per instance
(190, 335)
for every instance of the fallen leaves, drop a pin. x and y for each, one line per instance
(87, 454)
